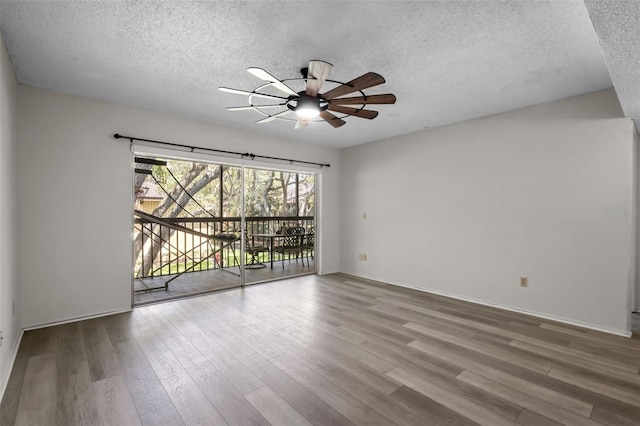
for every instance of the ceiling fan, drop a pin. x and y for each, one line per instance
(308, 104)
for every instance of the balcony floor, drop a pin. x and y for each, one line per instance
(215, 279)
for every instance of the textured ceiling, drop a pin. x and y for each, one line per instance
(617, 23)
(446, 61)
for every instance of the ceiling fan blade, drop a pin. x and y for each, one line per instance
(317, 73)
(362, 100)
(362, 113)
(332, 119)
(301, 123)
(365, 81)
(244, 92)
(264, 75)
(248, 107)
(273, 117)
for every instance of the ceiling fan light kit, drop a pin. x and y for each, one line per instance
(309, 104)
(306, 106)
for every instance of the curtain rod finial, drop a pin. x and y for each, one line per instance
(117, 136)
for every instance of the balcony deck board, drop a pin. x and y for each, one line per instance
(216, 279)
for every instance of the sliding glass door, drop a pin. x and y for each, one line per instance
(193, 234)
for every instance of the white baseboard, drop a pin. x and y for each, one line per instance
(69, 320)
(14, 354)
(623, 333)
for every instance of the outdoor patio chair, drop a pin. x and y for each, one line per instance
(291, 244)
(308, 246)
(253, 249)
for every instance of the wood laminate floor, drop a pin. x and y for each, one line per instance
(322, 350)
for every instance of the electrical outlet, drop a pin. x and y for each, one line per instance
(524, 281)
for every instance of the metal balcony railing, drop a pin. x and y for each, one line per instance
(168, 246)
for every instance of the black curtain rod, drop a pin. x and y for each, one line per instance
(241, 154)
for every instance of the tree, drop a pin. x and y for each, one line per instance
(192, 182)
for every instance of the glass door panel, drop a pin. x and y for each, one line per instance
(187, 228)
(280, 224)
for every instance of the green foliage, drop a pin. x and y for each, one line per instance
(267, 192)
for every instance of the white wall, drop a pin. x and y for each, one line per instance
(9, 321)
(75, 184)
(468, 209)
